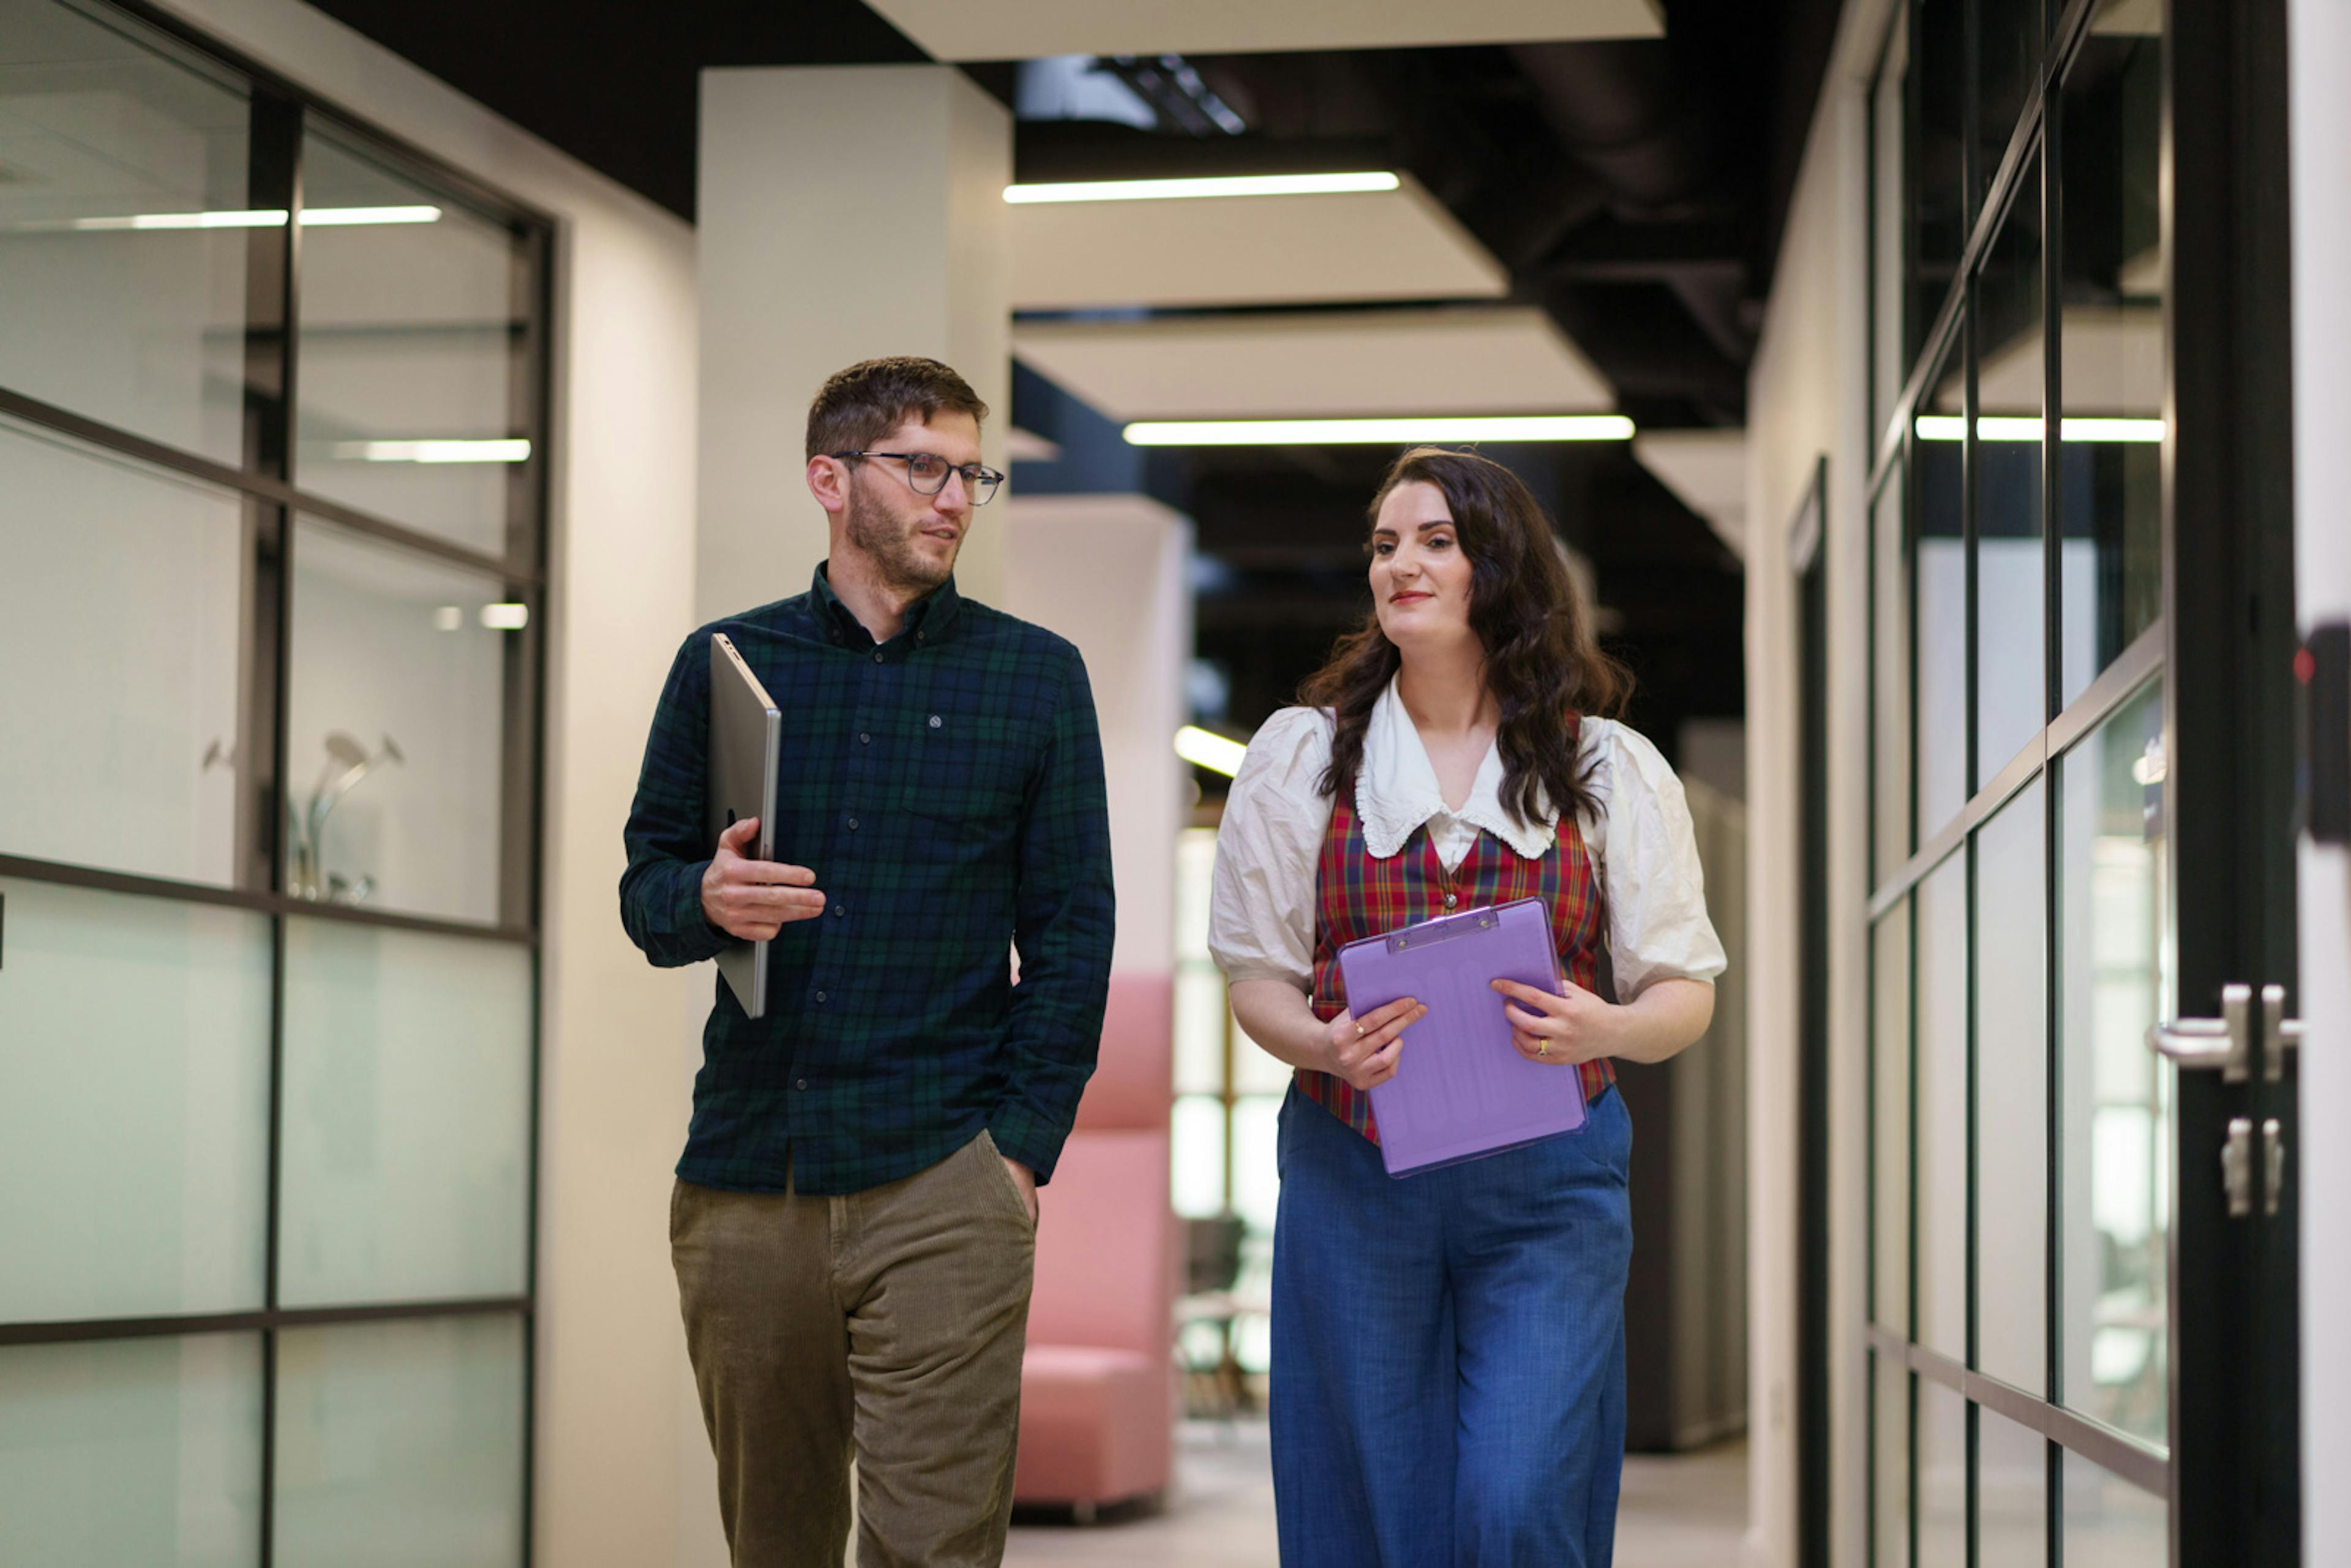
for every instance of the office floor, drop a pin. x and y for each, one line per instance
(1686, 1511)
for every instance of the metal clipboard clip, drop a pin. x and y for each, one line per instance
(1443, 930)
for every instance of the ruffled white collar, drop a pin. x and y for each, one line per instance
(1396, 790)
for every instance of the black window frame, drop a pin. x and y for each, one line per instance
(2034, 147)
(282, 112)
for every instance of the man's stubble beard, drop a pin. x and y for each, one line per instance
(891, 548)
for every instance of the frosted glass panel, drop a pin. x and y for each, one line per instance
(2110, 1524)
(396, 738)
(134, 1453)
(407, 1116)
(411, 332)
(2117, 1097)
(2012, 1095)
(1942, 1126)
(1197, 1147)
(1257, 1070)
(1889, 1179)
(1890, 1465)
(401, 1444)
(122, 603)
(1942, 1480)
(141, 328)
(2012, 1494)
(1199, 1030)
(1257, 1180)
(134, 1105)
(1196, 866)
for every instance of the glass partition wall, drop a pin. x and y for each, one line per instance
(2021, 946)
(271, 511)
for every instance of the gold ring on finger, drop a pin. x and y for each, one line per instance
(1542, 1048)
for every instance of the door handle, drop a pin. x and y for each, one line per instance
(2223, 1042)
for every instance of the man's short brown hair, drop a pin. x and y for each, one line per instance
(860, 405)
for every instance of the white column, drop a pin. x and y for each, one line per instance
(2320, 56)
(844, 212)
(1108, 572)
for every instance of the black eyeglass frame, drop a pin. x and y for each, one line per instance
(974, 475)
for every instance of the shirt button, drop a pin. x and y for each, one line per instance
(852, 824)
(877, 655)
(863, 738)
(820, 996)
(934, 721)
(838, 912)
(802, 1084)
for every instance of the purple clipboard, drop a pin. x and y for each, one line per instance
(1461, 1090)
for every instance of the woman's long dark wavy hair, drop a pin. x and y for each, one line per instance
(1542, 665)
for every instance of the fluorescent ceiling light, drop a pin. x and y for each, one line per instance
(506, 617)
(1209, 750)
(1378, 432)
(2015, 427)
(343, 217)
(515, 451)
(259, 218)
(1215, 186)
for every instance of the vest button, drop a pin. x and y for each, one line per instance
(1449, 901)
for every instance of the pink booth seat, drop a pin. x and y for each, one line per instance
(1098, 1387)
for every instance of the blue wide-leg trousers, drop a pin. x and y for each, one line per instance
(1448, 1350)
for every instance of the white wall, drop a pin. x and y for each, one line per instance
(2320, 44)
(1112, 574)
(1807, 396)
(846, 212)
(613, 1435)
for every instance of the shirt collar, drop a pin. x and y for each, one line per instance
(928, 619)
(1396, 790)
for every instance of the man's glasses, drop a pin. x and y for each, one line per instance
(927, 473)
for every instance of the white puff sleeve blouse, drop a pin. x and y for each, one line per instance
(1261, 910)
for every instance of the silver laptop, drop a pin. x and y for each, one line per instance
(746, 745)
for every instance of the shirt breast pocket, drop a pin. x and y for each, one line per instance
(972, 797)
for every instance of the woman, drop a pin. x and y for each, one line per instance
(1448, 1349)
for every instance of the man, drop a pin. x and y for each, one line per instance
(853, 1222)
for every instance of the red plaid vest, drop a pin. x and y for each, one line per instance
(1357, 894)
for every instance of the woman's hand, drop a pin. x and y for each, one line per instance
(1364, 1051)
(1563, 1029)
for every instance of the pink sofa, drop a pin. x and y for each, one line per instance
(1098, 1388)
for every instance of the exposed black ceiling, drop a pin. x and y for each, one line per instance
(1634, 189)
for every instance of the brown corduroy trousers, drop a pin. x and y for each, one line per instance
(887, 1324)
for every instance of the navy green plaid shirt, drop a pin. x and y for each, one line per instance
(946, 789)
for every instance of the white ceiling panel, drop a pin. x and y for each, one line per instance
(1028, 29)
(1707, 469)
(1371, 362)
(1247, 250)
